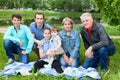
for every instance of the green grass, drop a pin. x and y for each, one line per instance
(112, 74)
(113, 30)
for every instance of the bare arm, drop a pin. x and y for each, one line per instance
(59, 44)
(60, 52)
(37, 41)
(42, 55)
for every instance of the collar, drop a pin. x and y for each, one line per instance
(18, 28)
(64, 33)
(42, 27)
(46, 41)
(90, 28)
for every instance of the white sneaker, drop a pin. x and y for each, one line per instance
(10, 60)
(25, 72)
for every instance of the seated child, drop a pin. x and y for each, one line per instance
(55, 43)
(44, 54)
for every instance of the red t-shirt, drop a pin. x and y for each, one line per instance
(89, 29)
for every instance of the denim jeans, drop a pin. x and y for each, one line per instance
(75, 62)
(100, 57)
(12, 48)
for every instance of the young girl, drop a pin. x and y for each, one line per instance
(55, 43)
(70, 43)
(44, 55)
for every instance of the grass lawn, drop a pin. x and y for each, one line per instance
(112, 74)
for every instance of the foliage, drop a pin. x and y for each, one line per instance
(110, 10)
(58, 5)
(51, 17)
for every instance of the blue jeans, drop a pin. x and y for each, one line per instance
(75, 62)
(100, 57)
(12, 48)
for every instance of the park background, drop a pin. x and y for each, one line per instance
(106, 12)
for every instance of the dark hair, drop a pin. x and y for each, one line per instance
(47, 29)
(54, 28)
(17, 16)
(39, 13)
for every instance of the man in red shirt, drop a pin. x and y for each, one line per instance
(98, 44)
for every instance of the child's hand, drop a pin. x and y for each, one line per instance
(50, 53)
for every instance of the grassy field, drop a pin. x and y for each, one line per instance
(112, 74)
(114, 69)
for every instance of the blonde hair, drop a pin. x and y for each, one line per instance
(68, 19)
(85, 15)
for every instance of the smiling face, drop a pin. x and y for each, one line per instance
(16, 22)
(87, 22)
(39, 19)
(47, 34)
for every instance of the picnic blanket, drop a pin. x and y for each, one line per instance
(69, 72)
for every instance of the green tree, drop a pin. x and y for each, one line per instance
(110, 10)
(86, 4)
(74, 5)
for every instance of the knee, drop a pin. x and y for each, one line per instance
(7, 43)
(62, 62)
(36, 65)
(55, 64)
(102, 50)
(75, 63)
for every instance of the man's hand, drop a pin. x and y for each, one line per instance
(89, 52)
(24, 52)
(40, 43)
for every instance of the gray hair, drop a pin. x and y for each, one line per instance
(85, 15)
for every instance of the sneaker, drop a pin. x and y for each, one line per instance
(10, 60)
(25, 72)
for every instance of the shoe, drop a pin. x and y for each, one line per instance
(24, 72)
(10, 60)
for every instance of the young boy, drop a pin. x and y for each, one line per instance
(18, 40)
(44, 55)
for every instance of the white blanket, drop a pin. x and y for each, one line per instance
(70, 72)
